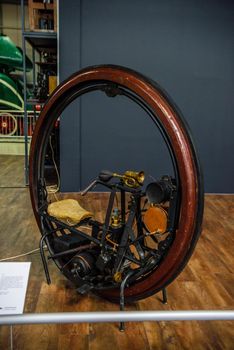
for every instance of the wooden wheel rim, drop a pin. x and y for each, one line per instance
(191, 209)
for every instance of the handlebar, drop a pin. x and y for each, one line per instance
(89, 187)
(105, 176)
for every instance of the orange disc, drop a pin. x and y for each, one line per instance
(155, 220)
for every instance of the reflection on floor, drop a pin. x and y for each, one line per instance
(11, 171)
(206, 283)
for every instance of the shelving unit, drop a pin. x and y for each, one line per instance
(40, 41)
(42, 15)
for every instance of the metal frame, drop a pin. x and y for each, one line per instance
(118, 316)
(134, 213)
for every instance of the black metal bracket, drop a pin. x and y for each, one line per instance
(121, 301)
(164, 295)
(43, 258)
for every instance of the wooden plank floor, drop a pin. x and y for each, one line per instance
(206, 283)
(11, 171)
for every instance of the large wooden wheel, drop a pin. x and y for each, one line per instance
(168, 119)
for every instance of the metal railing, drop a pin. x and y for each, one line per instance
(118, 316)
(12, 125)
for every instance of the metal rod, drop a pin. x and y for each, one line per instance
(123, 210)
(43, 258)
(71, 251)
(34, 66)
(121, 302)
(11, 336)
(108, 216)
(164, 294)
(118, 316)
(25, 96)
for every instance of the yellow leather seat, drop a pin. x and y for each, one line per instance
(68, 211)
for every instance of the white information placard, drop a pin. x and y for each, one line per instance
(13, 286)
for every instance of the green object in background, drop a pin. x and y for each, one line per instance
(11, 86)
(10, 96)
(11, 57)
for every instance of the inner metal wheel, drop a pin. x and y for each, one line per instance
(115, 80)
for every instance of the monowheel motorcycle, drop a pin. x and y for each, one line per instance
(147, 239)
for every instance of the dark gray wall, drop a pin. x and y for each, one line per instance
(187, 47)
